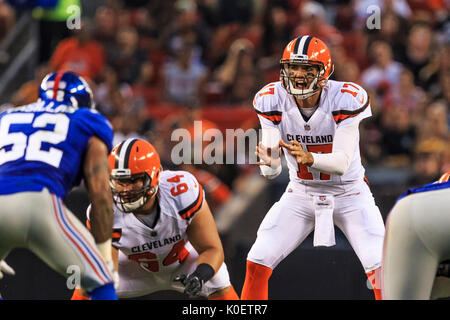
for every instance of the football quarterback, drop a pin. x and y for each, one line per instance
(318, 121)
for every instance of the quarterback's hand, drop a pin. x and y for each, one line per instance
(268, 156)
(296, 150)
(192, 285)
(4, 267)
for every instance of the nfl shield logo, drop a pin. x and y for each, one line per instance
(322, 198)
(307, 127)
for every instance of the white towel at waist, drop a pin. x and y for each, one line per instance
(324, 225)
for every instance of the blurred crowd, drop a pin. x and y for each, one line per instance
(160, 65)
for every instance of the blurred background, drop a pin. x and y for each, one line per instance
(158, 65)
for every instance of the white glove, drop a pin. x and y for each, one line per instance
(6, 269)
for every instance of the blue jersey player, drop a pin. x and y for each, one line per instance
(46, 148)
(416, 251)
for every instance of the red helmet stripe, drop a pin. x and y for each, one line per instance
(56, 84)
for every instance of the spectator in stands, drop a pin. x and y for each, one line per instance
(417, 53)
(183, 77)
(313, 23)
(407, 95)
(399, 135)
(428, 158)
(109, 97)
(400, 8)
(437, 74)
(372, 132)
(126, 58)
(384, 73)
(434, 122)
(349, 71)
(188, 27)
(238, 75)
(106, 25)
(394, 28)
(277, 32)
(146, 85)
(80, 54)
(220, 42)
(7, 19)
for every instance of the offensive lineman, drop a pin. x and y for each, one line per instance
(417, 241)
(164, 233)
(318, 122)
(46, 148)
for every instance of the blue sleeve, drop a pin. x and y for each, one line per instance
(97, 125)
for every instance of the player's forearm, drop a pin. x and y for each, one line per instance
(212, 256)
(333, 163)
(96, 175)
(344, 145)
(101, 217)
(101, 220)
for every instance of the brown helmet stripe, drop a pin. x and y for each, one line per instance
(123, 154)
(297, 43)
(306, 45)
(116, 158)
(127, 154)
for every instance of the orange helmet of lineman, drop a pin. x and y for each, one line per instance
(135, 168)
(305, 50)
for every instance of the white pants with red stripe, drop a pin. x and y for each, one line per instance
(417, 240)
(40, 222)
(292, 219)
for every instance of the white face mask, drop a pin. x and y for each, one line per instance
(288, 81)
(133, 206)
(137, 204)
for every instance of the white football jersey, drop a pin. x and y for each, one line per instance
(340, 104)
(150, 256)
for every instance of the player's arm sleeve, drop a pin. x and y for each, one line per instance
(347, 119)
(344, 146)
(269, 120)
(270, 172)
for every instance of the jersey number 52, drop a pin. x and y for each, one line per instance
(30, 146)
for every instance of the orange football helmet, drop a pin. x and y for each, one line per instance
(136, 163)
(306, 50)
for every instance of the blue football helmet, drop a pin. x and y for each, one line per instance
(68, 88)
